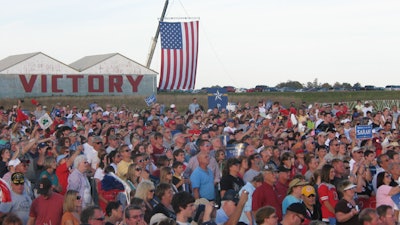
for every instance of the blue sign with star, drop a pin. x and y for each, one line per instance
(217, 97)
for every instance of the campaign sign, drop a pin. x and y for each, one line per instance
(217, 97)
(363, 131)
(235, 150)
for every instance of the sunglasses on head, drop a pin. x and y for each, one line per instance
(99, 219)
(137, 216)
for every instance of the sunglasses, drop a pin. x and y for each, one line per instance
(99, 219)
(19, 183)
(99, 143)
(311, 196)
(138, 169)
(127, 150)
(152, 190)
(301, 218)
(78, 197)
(137, 216)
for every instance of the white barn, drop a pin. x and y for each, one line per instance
(37, 74)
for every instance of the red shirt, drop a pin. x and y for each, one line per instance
(62, 173)
(47, 211)
(265, 195)
(281, 191)
(327, 192)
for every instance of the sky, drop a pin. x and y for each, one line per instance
(242, 43)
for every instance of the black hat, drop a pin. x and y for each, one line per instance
(283, 169)
(17, 178)
(231, 195)
(44, 186)
(232, 161)
(298, 208)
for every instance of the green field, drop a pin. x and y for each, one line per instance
(181, 100)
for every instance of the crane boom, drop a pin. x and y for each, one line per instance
(155, 38)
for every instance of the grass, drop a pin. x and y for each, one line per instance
(182, 100)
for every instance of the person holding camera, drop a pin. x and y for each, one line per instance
(346, 210)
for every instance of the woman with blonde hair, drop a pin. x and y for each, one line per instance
(72, 208)
(133, 176)
(145, 190)
(166, 177)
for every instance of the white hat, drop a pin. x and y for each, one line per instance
(156, 218)
(14, 162)
(345, 121)
(172, 106)
(135, 115)
(86, 111)
(350, 186)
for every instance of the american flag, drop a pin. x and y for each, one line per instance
(179, 48)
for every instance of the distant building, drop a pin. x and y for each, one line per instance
(38, 75)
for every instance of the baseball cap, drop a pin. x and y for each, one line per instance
(345, 121)
(44, 186)
(231, 195)
(196, 122)
(356, 149)
(349, 186)
(97, 139)
(298, 208)
(156, 218)
(281, 168)
(230, 120)
(62, 156)
(270, 169)
(298, 151)
(58, 113)
(14, 162)
(308, 190)
(17, 178)
(42, 145)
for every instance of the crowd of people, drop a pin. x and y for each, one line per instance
(265, 164)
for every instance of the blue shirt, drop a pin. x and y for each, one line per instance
(204, 181)
(221, 217)
(288, 200)
(247, 207)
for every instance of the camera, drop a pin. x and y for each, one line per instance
(200, 209)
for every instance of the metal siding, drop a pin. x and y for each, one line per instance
(39, 64)
(118, 65)
(11, 87)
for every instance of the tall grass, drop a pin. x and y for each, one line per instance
(182, 100)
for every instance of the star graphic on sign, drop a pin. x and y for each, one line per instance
(217, 95)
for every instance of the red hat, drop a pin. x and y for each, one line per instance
(298, 151)
(284, 112)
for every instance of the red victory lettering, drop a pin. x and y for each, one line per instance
(28, 85)
(75, 78)
(134, 83)
(115, 83)
(100, 83)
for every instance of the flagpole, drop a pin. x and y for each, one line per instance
(155, 38)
